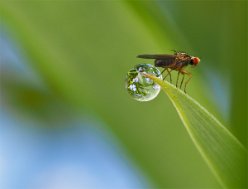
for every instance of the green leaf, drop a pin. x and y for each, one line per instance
(222, 152)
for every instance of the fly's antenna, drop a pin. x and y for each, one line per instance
(177, 52)
(174, 50)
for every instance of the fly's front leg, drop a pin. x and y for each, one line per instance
(190, 76)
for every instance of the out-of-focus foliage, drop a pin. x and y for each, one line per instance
(83, 49)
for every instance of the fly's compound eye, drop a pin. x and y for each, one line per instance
(195, 61)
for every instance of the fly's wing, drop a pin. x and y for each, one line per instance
(157, 56)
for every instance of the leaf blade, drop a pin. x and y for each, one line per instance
(223, 153)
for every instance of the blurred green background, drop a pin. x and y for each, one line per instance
(64, 62)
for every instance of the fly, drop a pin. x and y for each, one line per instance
(177, 61)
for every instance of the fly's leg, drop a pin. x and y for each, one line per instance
(168, 73)
(163, 71)
(178, 73)
(182, 82)
(170, 76)
(190, 76)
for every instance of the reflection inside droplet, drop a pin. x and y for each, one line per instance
(140, 87)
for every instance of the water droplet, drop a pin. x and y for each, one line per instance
(140, 87)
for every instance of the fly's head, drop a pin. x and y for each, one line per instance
(194, 61)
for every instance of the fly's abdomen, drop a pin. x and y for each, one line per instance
(164, 63)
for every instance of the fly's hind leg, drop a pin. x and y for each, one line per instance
(168, 73)
(163, 71)
(190, 76)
